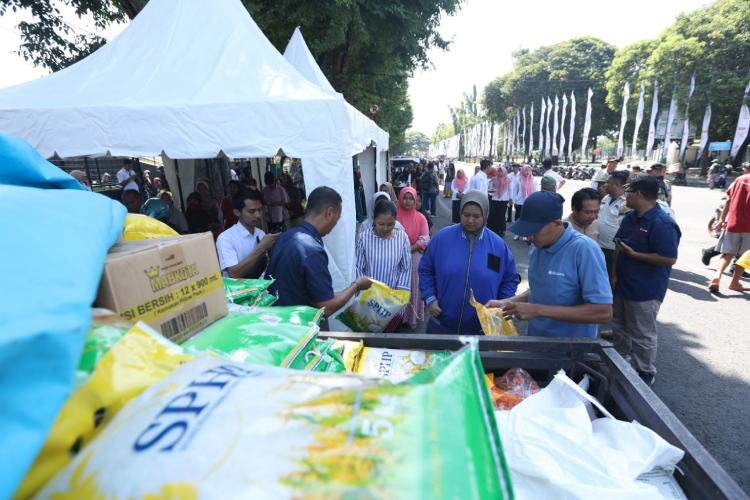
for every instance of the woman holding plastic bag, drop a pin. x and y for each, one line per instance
(384, 254)
(462, 259)
(418, 232)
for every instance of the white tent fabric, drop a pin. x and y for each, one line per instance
(364, 133)
(185, 80)
(190, 82)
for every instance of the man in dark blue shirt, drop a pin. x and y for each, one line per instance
(645, 250)
(299, 264)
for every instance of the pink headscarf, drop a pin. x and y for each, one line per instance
(410, 219)
(492, 173)
(459, 182)
(527, 182)
(501, 182)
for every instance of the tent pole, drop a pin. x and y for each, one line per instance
(98, 173)
(88, 173)
(179, 184)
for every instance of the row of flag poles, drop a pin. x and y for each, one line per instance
(484, 139)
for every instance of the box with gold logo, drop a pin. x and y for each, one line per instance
(174, 284)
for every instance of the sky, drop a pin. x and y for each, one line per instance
(486, 32)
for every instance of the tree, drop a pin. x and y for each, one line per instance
(466, 115)
(416, 143)
(714, 42)
(573, 65)
(442, 132)
(366, 48)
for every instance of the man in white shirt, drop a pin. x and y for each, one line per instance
(607, 169)
(126, 177)
(513, 176)
(480, 182)
(548, 172)
(613, 209)
(242, 248)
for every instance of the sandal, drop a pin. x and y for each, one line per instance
(713, 287)
(739, 288)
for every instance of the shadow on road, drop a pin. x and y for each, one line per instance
(705, 400)
(692, 284)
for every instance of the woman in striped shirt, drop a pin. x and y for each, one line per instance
(384, 254)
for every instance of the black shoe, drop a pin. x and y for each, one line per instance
(708, 254)
(502, 235)
(648, 378)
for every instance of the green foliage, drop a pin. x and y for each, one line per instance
(574, 64)
(442, 132)
(714, 42)
(416, 143)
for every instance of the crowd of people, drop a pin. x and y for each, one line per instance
(602, 270)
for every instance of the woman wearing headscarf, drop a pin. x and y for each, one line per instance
(198, 220)
(387, 188)
(459, 186)
(226, 205)
(450, 173)
(383, 254)
(520, 189)
(415, 225)
(499, 206)
(378, 197)
(295, 200)
(464, 258)
(211, 206)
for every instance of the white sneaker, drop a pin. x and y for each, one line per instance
(515, 238)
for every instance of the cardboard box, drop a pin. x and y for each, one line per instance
(174, 284)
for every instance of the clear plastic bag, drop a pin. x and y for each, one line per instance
(512, 388)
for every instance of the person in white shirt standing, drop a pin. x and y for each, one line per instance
(243, 247)
(607, 169)
(126, 177)
(611, 213)
(548, 172)
(513, 176)
(480, 181)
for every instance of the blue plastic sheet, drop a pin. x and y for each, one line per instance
(53, 243)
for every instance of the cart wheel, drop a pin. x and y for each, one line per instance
(713, 230)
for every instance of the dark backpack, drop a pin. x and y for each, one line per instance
(427, 181)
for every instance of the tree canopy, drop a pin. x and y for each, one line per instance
(573, 65)
(416, 143)
(442, 132)
(366, 48)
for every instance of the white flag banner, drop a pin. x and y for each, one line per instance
(555, 151)
(510, 136)
(547, 142)
(523, 136)
(518, 126)
(623, 120)
(541, 130)
(496, 139)
(531, 131)
(505, 139)
(562, 125)
(741, 133)
(638, 119)
(686, 124)
(704, 131)
(652, 124)
(572, 124)
(670, 119)
(586, 126)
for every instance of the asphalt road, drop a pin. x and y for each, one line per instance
(703, 360)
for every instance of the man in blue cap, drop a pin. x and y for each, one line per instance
(569, 289)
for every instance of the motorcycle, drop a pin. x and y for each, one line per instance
(713, 224)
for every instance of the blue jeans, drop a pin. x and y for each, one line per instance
(431, 199)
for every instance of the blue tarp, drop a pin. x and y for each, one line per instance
(54, 237)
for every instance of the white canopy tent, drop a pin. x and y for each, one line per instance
(369, 139)
(192, 82)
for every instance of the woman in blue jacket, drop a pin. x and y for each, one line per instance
(460, 259)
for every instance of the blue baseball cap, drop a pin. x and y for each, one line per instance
(539, 209)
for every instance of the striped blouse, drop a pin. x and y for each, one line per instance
(387, 261)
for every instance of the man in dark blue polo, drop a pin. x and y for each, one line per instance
(645, 250)
(299, 264)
